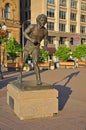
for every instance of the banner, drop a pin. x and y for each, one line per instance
(77, 40)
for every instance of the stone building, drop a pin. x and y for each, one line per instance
(66, 19)
(10, 15)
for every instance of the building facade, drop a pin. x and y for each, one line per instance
(66, 21)
(66, 18)
(10, 15)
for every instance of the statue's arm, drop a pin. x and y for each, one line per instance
(27, 32)
(46, 39)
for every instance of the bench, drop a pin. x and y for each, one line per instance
(67, 64)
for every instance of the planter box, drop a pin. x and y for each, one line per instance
(82, 63)
(13, 66)
(67, 64)
(44, 65)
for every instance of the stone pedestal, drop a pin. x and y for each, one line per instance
(32, 103)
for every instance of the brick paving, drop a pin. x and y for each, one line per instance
(71, 84)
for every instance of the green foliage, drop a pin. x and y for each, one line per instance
(13, 48)
(80, 51)
(3, 40)
(43, 55)
(62, 53)
(27, 65)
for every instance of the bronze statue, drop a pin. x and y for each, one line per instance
(34, 34)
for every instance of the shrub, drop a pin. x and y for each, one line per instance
(80, 51)
(43, 55)
(62, 53)
(13, 48)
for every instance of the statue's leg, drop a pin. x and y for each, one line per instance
(35, 56)
(25, 53)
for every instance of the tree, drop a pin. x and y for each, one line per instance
(62, 53)
(13, 48)
(80, 51)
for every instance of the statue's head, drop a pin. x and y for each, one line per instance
(41, 19)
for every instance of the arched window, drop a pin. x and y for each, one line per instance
(7, 11)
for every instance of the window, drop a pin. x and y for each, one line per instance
(62, 2)
(50, 12)
(51, 1)
(73, 4)
(50, 25)
(83, 6)
(62, 15)
(73, 16)
(62, 27)
(72, 28)
(83, 18)
(82, 29)
(83, 40)
(50, 39)
(7, 11)
(62, 40)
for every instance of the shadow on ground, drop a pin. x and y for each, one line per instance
(63, 90)
(64, 94)
(13, 75)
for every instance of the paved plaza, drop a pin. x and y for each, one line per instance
(71, 85)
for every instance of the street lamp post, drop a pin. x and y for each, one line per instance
(3, 34)
(1, 75)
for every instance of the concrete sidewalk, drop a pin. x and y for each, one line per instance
(71, 84)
